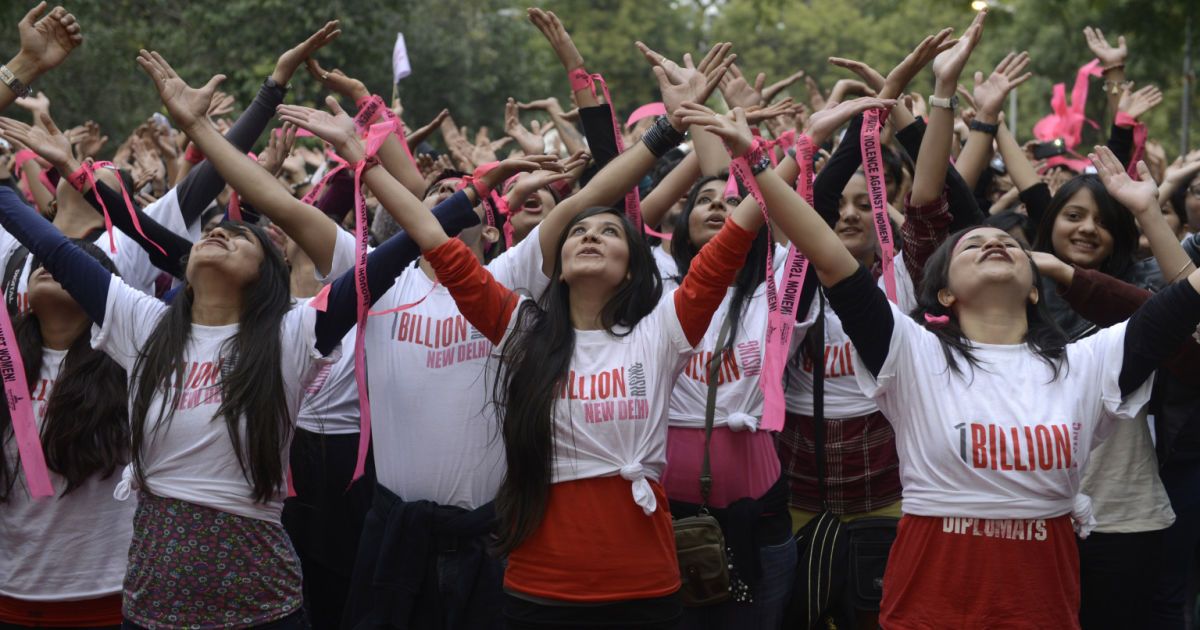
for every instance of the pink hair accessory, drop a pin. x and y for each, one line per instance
(645, 111)
(937, 321)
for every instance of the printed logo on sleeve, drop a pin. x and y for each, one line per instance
(615, 394)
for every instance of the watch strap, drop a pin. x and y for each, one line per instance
(988, 128)
(944, 103)
(16, 85)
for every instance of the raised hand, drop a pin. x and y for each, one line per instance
(147, 165)
(929, 48)
(222, 104)
(335, 127)
(286, 66)
(846, 87)
(822, 124)
(1053, 267)
(495, 177)
(529, 142)
(1137, 103)
(758, 115)
(739, 93)
(1139, 197)
(869, 75)
(816, 97)
(733, 129)
(948, 65)
(46, 42)
(415, 138)
(989, 95)
(688, 84)
(279, 148)
(1109, 56)
(554, 32)
(187, 105)
(771, 91)
(47, 141)
(336, 81)
(38, 104)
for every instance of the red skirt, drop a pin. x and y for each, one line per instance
(956, 572)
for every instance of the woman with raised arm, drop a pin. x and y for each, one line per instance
(62, 557)
(990, 479)
(588, 375)
(215, 383)
(749, 493)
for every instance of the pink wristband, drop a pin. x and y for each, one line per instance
(580, 80)
(79, 178)
(1123, 119)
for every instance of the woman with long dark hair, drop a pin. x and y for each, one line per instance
(990, 478)
(584, 392)
(62, 558)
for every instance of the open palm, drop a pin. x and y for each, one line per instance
(335, 126)
(50, 143)
(187, 105)
(1137, 196)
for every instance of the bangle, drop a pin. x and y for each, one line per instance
(763, 164)
(756, 157)
(1180, 272)
(662, 137)
(979, 125)
(1115, 66)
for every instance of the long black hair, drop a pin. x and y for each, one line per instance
(1113, 216)
(537, 356)
(85, 430)
(753, 270)
(251, 377)
(1043, 337)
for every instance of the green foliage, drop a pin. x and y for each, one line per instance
(470, 55)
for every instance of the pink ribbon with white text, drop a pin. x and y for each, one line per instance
(872, 160)
(20, 409)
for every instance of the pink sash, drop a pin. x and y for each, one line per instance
(872, 160)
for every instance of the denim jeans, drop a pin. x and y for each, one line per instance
(770, 597)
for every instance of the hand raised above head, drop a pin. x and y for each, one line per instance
(187, 105)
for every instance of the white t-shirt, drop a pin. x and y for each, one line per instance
(193, 459)
(1122, 479)
(667, 269)
(131, 261)
(843, 396)
(610, 417)
(430, 377)
(62, 548)
(738, 389)
(330, 404)
(1002, 440)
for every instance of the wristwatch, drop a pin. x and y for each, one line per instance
(13, 83)
(271, 83)
(944, 103)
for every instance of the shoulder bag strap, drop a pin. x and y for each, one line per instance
(714, 371)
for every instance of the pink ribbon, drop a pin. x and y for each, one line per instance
(781, 322)
(20, 408)
(87, 172)
(315, 193)
(872, 160)
(19, 160)
(645, 111)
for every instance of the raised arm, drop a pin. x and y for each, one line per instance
(1141, 198)
(929, 178)
(1112, 64)
(989, 97)
(668, 192)
(203, 183)
(308, 226)
(81, 275)
(1157, 329)
(45, 43)
(678, 84)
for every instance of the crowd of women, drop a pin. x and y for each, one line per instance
(861, 362)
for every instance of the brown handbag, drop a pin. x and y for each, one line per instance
(699, 541)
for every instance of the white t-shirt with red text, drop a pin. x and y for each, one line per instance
(61, 548)
(610, 414)
(1006, 439)
(191, 457)
(430, 379)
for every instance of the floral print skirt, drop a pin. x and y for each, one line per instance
(198, 568)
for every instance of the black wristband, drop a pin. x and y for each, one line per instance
(979, 125)
(662, 137)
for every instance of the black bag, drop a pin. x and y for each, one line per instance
(870, 543)
(699, 541)
(821, 545)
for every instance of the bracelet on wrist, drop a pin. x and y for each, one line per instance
(580, 79)
(988, 128)
(662, 137)
(1115, 66)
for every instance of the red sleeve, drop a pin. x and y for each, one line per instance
(1105, 300)
(711, 273)
(486, 303)
(925, 227)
